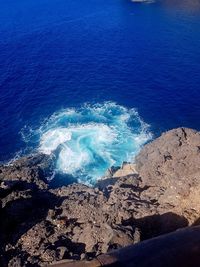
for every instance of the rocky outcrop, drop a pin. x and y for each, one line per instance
(170, 167)
(156, 195)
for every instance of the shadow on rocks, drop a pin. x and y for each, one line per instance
(23, 205)
(197, 222)
(155, 225)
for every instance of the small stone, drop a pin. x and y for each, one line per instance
(61, 252)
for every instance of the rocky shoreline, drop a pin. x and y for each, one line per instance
(156, 195)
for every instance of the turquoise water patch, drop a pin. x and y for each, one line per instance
(86, 141)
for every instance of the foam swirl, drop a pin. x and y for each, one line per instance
(87, 141)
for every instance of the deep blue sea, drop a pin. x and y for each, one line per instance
(90, 81)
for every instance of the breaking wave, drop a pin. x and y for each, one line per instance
(86, 141)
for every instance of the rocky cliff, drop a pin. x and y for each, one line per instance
(157, 194)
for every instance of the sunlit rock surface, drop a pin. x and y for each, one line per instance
(155, 195)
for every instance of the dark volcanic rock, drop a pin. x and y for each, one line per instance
(40, 225)
(32, 169)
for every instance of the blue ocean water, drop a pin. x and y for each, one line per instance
(138, 62)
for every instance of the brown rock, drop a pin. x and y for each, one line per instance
(156, 195)
(170, 167)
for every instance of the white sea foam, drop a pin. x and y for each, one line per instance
(87, 141)
(51, 139)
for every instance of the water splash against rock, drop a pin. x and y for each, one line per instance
(86, 141)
